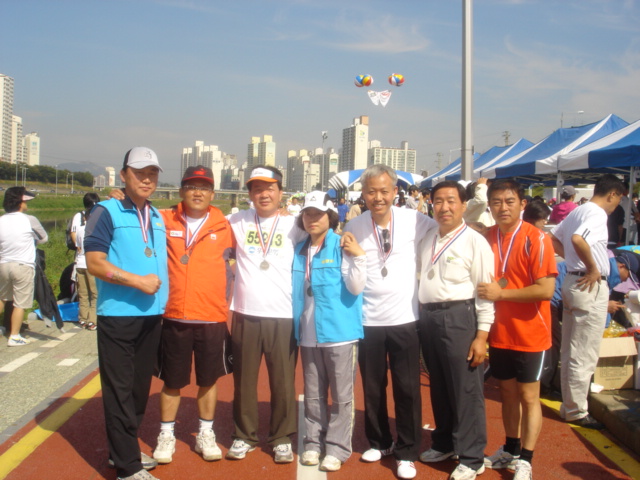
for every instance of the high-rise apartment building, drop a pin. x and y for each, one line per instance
(6, 117)
(303, 170)
(31, 149)
(355, 142)
(328, 167)
(16, 140)
(402, 158)
(261, 152)
(206, 155)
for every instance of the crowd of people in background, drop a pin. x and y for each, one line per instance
(446, 273)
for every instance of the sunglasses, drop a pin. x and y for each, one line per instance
(385, 238)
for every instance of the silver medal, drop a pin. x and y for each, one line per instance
(264, 265)
(148, 252)
(384, 271)
(503, 282)
(184, 259)
(431, 274)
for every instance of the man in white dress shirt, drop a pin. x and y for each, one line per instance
(389, 235)
(454, 326)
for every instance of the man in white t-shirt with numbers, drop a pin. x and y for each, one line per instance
(263, 316)
(389, 236)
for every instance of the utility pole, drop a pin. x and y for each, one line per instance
(506, 134)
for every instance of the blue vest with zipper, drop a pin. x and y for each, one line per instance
(338, 313)
(127, 252)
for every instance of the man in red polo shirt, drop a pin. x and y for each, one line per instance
(521, 333)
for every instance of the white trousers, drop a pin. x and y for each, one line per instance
(583, 321)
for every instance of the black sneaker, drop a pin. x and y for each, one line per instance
(588, 422)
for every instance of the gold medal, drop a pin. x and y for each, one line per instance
(503, 282)
(264, 265)
(431, 274)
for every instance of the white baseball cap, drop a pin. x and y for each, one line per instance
(141, 157)
(319, 200)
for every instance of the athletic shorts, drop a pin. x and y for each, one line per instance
(16, 284)
(205, 342)
(525, 367)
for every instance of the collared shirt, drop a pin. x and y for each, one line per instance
(590, 222)
(466, 262)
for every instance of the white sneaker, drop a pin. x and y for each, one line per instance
(462, 472)
(433, 456)
(206, 445)
(166, 448)
(406, 469)
(310, 457)
(330, 464)
(239, 450)
(374, 455)
(523, 470)
(17, 341)
(501, 459)
(283, 453)
(141, 475)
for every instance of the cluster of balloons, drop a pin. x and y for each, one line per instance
(363, 80)
(395, 79)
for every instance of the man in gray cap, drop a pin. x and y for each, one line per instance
(126, 250)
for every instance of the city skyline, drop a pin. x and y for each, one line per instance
(96, 78)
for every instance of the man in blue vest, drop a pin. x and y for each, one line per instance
(125, 246)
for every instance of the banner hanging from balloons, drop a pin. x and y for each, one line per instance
(379, 97)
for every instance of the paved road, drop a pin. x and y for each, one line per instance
(52, 437)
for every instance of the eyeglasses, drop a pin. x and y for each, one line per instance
(193, 188)
(385, 238)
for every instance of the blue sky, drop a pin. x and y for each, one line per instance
(95, 78)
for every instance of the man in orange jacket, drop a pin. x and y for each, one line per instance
(199, 241)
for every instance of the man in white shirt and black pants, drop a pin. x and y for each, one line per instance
(581, 239)
(454, 326)
(389, 235)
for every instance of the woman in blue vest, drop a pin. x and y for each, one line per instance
(327, 314)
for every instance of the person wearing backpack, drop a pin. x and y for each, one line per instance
(85, 282)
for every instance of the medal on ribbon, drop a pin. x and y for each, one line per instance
(190, 238)
(144, 227)
(504, 258)
(266, 246)
(435, 256)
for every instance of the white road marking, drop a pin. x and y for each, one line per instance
(18, 362)
(67, 362)
(305, 473)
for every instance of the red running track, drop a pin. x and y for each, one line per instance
(77, 450)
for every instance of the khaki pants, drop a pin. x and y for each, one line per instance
(253, 337)
(87, 295)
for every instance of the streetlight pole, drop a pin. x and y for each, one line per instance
(56, 180)
(72, 182)
(24, 176)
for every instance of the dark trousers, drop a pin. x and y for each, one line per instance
(127, 353)
(400, 345)
(253, 337)
(457, 390)
(552, 357)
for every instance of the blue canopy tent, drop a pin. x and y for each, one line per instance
(615, 153)
(539, 162)
(490, 157)
(344, 180)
